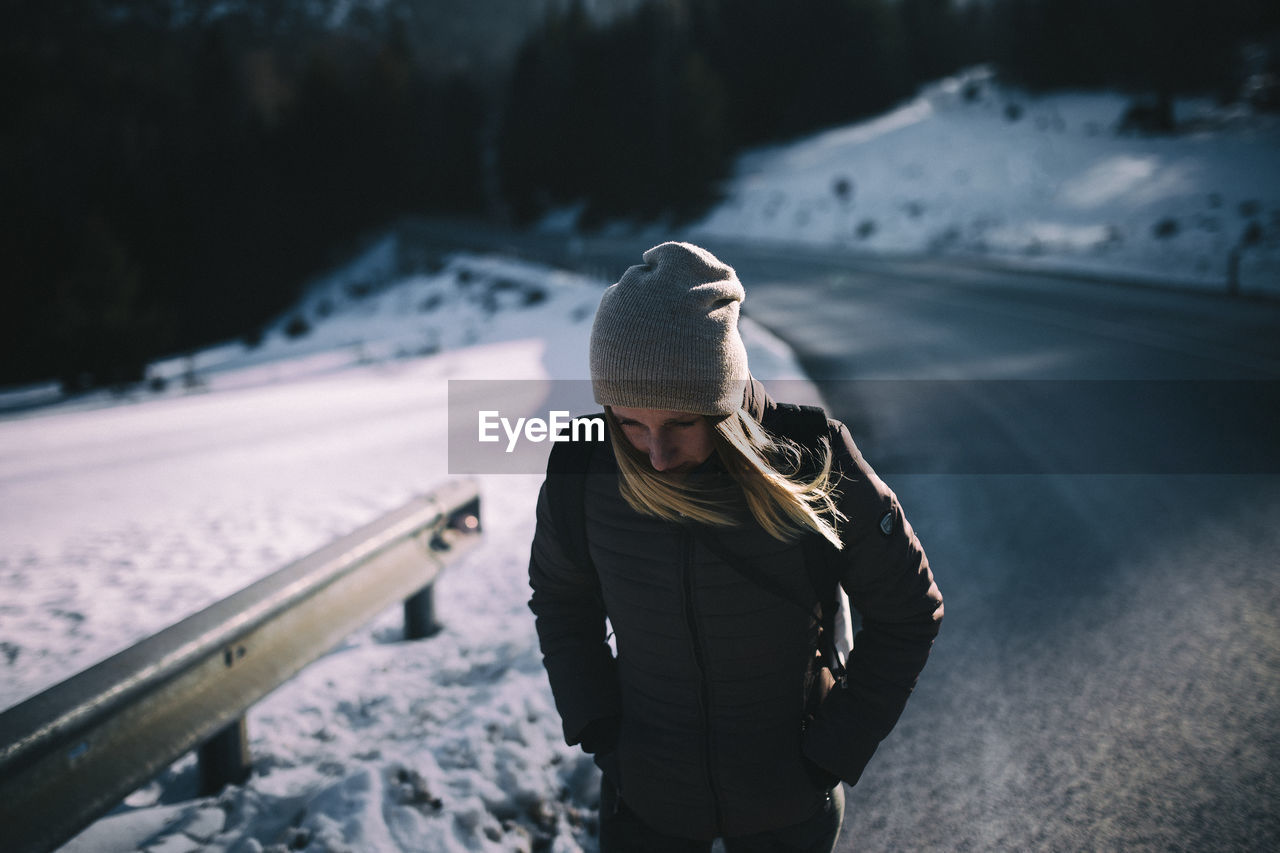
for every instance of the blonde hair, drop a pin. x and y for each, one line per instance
(767, 470)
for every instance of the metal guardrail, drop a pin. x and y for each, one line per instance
(70, 754)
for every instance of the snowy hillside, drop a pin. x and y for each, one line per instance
(122, 516)
(971, 167)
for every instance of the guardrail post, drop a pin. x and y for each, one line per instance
(224, 758)
(420, 608)
(420, 615)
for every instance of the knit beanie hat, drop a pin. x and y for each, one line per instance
(666, 335)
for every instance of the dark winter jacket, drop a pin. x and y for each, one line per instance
(711, 671)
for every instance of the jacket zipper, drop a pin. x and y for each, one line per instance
(703, 682)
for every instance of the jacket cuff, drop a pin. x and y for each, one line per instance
(585, 689)
(822, 778)
(601, 736)
(843, 755)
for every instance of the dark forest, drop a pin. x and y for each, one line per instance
(170, 184)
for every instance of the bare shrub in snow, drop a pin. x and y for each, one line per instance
(843, 189)
(297, 327)
(1252, 235)
(1148, 117)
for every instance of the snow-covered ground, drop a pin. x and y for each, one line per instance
(122, 516)
(972, 167)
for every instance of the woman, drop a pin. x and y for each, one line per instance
(702, 533)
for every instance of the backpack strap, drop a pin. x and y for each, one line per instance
(808, 426)
(567, 492)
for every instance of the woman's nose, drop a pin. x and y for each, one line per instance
(660, 455)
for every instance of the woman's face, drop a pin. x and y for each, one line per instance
(675, 442)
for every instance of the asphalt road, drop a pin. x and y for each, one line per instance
(1094, 471)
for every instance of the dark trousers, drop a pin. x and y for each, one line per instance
(622, 832)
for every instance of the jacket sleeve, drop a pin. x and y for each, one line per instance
(886, 574)
(570, 619)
